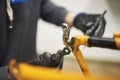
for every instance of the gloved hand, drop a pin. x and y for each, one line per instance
(85, 22)
(49, 60)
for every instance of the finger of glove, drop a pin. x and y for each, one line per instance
(60, 65)
(46, 58)
(41, 62)
(89, 22)
(100, 29)
(46, 55)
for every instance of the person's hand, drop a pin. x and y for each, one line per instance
(86, 22)
(46, 60)
(49, 60)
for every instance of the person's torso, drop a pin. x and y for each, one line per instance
(20, 41)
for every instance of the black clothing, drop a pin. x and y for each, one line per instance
(20, 42)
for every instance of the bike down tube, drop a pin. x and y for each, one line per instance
(77, 41)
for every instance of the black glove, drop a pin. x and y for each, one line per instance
(49, 60)
(85, 22)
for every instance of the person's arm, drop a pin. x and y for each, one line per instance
(58, 15)
(53, 13)
(89, 24)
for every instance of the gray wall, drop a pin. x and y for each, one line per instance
(49, 38)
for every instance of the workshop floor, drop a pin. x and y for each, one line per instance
(96, 67)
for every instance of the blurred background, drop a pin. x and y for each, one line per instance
(100, 60)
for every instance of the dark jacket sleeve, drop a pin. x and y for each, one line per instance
(3, 73)
(53, 13)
